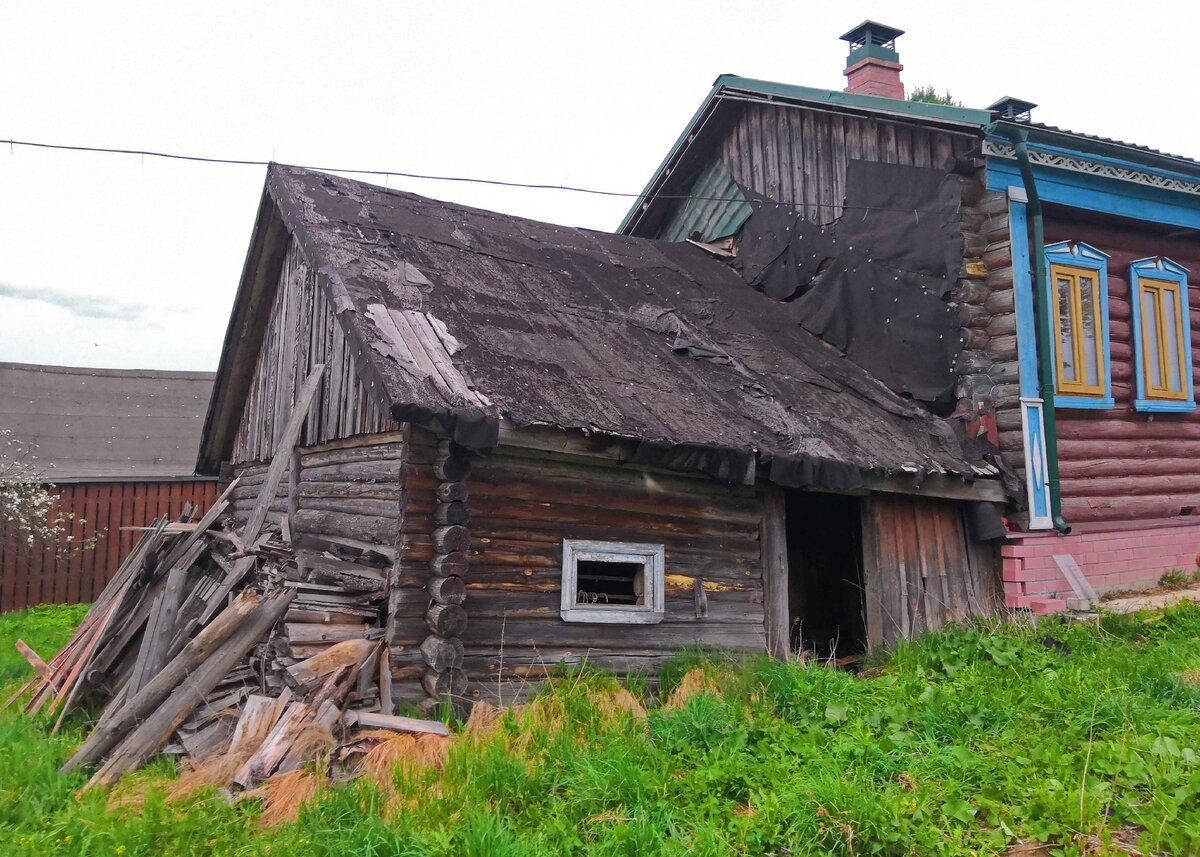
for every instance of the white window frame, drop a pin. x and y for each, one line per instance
(653, 559)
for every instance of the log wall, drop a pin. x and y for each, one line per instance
(524, 503)
(61, 573)
(302, 332)
(1121, 464)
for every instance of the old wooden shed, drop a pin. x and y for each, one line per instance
(569, 445)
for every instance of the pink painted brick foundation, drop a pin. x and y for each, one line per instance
(1112, 559)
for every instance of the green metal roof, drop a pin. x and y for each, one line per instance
(732, 86)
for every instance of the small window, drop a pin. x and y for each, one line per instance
(1162, 336)
(612, 582)
(1078, 301)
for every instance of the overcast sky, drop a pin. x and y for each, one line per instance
(112, 260)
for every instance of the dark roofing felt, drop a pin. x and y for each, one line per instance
(128, 424)
(588, 330)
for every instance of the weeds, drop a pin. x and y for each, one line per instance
(968, 741)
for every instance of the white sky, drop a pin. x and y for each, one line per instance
(109, 260)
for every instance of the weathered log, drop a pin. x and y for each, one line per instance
(451, 513)
(450, 565)
(453, 468)
(452, 683)
(442, 654)
(193, 656)
(359, 527)
(447, 590)
(446, 620)
(452, 492)
(154, 731)
(451, 538)
(380, 452)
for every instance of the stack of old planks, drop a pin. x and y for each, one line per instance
(211, 640)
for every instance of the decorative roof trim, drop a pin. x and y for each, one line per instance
(1055, 160)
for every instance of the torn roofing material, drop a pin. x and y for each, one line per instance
(464, 317)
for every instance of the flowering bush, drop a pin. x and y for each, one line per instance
(27, 511)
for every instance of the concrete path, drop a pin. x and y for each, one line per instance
(1150, 602)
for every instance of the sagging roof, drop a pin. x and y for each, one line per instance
(730, 88)
(464, 317)
(105, 424)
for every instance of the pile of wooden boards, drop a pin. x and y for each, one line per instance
(215, 640)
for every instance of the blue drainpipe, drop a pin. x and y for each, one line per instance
(1043, 317)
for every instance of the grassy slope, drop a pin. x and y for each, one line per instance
(967, 741)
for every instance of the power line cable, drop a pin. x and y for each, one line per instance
(246, 162)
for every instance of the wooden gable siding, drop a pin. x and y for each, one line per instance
(920, 567)
(302, 332)
(61, 573)
(1122, 464)
(524, 503)
(799, 156)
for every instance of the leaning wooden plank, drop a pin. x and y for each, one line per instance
(326, 717)
(193, 657)
(160, 629)
(72, 683)
(156, 729)
(201, 527)
(345, 653)
(374, 720)
(240, 568)
(275, 746)
(282, 456)
(35, 661)
(259, 716)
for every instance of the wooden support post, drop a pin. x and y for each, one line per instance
(775, 571)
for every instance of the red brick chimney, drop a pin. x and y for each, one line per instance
(873, 67)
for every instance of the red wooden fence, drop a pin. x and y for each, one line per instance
(62, 573)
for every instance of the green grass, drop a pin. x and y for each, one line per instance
(969, 740)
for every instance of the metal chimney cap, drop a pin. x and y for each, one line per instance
(1013, 109)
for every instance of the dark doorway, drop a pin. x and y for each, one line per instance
(825, 582)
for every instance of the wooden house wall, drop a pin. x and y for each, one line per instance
(61, 573)
(920, 567)
(1121, 464)
(799, 156)
(523, 504)
(301, 333)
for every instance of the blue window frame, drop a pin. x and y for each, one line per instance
(1077, 297)
(1162, 336)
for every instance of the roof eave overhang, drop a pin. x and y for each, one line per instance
(243, 337)
(1167, 164)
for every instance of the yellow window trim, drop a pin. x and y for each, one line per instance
(1075, 312)
(1163, 290)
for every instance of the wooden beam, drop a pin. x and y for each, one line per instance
(935, 485)
(775, 571)
(282, 459)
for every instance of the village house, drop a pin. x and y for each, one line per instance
(784, 410)
(573, 446)
(1092, 401)
(118, 447)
